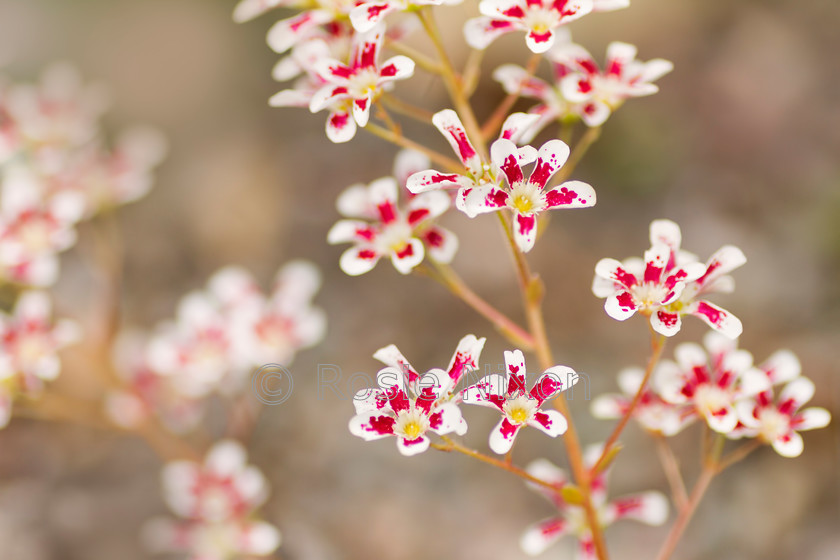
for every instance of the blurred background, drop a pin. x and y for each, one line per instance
(740, 146)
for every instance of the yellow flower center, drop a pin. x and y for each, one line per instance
(412, 429)
(523, 204)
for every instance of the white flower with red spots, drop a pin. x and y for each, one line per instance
(379, 228)
(579, 89)
(464, 361)
(778, 421)
(553, 107)
(34, 228)
(325, 17)
(479, 191)
(652, 412)
(408, 404)
(478, 173)
(196, 349)
(223, 332)
(396, 410)
(30, 339)
(595, 93)
(520, 407)
(650, 508)
(340, 126)
(366, 15)
(216, 501)
(540, 20)
(668, 284)
(46, 120)
(528, 198)
(359, 82)
(108, 178)
(145, 393)
(29, 345)
(711, 380)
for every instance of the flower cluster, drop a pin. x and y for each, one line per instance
(220, 334)
(580, 89)
(216, 503)
(333, 53)
(668, 283)
(408, 405)
(29, 342)
(650, 508)
(56, 171)
(720, 385)
(379, 227)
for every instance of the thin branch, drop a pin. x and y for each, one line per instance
(452, 445)
(657, 345)
(440, 159)
(423, 61)
(686, 513)
(580, 149)
(453, 83)
(492, 125)
(672, 471)
(449, 278)
(407, 109)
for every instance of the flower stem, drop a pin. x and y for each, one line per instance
(397, 105)
(451, 445)
(686, 512)
(580, 149)
(453, 83)
(657, 344)
(739, 454)
(400, 140)
(501, 112)
(472, 71)
(672, 472)
(444, 274)
(418, 57)
(532, 294)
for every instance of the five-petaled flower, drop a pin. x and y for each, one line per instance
(710, 380)
(361, 81)
(594, 93)
(519, 406)
(224, 331)
(396, 410)
(216, 501)
(652, 412)
(650, 508)
(538, 18)
(527, 198)
(29, 342)
(403, 234)
(668, 283)
(479, 191)
(777, 422)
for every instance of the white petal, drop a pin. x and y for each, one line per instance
(782, 366)
(226, 458)
(358, 260)
(813, 418)
(414, 447)
(502, 441)
(550, 422)
(409, 256)
(790, 446)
